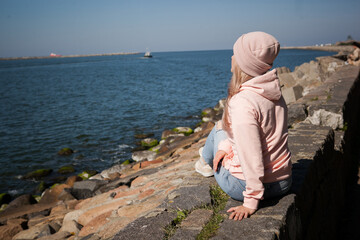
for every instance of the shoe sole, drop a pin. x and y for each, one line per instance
(202, 173)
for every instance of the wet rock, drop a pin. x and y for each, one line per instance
(139, 148)
(149, 142)
(66, 169)
(220, 105)
(41, 187)
(170, 133)
(114, 169)
(79, 157)
(143, 155)
(22, 200)
(208, 115)
(184, 130)
(65, 152)
(203, 127)
(3, 207)
(87, 174)
(4, 198)
(143, 135)
(38, 174)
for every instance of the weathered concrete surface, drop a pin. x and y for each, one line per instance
(193, 224)
(267, 223)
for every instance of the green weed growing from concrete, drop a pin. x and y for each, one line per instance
(171, 228)
(219, 199)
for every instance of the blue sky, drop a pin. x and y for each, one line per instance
(39, 27)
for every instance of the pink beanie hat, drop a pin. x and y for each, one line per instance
(255, 52)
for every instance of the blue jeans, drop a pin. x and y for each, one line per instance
(231, 185)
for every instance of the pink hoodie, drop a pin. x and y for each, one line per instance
(256, 148)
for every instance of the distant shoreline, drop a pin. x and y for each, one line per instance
(69, 56)
(332, 48)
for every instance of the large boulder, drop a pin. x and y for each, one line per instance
(329, 65)
(296, 113)
(35, 232)
(281, 70)
(286, 80)
(292, 94)
(108, 173)
(325, 118)
(51, 194)
(20, 201)
(13, 226)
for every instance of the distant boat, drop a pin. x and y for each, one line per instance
(148, 54)
(54, 55)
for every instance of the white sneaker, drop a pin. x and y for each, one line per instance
(202, 167)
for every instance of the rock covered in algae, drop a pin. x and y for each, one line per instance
(38, 174)
(185, 130)
(66, 152)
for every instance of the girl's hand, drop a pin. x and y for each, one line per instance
(218, 156)
(240, 212)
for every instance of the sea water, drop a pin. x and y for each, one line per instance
(95, 105)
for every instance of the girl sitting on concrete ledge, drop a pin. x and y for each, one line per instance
(247, 151)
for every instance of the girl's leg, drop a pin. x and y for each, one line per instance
(231, 185)
(211, 144)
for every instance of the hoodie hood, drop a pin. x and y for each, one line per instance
(266, 85)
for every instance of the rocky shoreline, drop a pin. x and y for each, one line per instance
(160, 196)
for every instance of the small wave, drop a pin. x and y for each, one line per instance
(15, 192)
(123, 146)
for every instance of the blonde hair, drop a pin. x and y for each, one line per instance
(238, 78)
